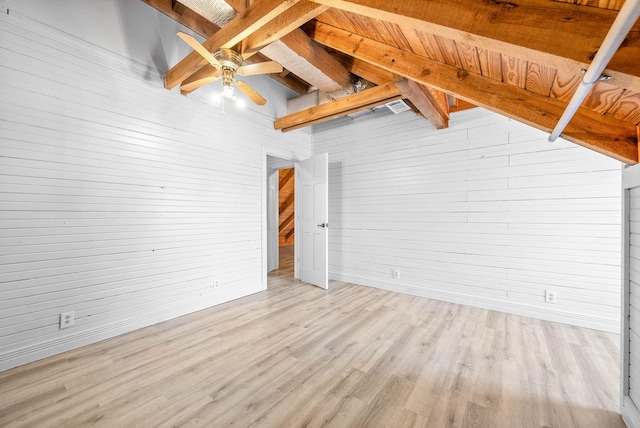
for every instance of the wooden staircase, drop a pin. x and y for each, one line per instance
(286, 206)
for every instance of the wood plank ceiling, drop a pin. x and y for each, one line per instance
(520, 58)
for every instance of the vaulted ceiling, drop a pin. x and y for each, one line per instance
(522, 58)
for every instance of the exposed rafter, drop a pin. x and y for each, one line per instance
(426, 104)
(538, 30)
(293, 81)
(461, 105)
(250, 32)
(206, 28)
(519, 58)
(281, 25)
(598, 132)
(239, 5)
(244, 25)
(350, 104)
(366, 70)
(184, 16)
(309, 60)
(178, 7)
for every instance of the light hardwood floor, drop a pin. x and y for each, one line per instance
(297, 356)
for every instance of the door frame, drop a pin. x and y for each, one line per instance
(286, 155)
(273, 217)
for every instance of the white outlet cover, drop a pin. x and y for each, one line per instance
(550, 296)
(67, 319)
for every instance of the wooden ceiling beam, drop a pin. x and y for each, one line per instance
(238, 5)
(366, 70)
(598, 132)
(424, 102)
(272, 31)
(425, 98)
(559, 35)
(206, 28)
(311, 61)
(281, 25)
(350, 104)
(255, 17)
(185, 16)
(461, 105)
(342, 113)
(178, 7)
(292, 81)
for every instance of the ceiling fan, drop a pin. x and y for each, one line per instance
(229, 64)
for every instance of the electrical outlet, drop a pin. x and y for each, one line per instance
(67, 319)
(396, 274)
(550, 296)
(216, 284)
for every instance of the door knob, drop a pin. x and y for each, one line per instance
(323, 225)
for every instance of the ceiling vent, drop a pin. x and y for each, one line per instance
(397, 106)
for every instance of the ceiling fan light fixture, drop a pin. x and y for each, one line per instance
(228, 63)
(227, 92)
(226, 95)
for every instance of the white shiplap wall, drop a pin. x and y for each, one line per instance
(119, 200)
(634, 296)
(485, 213)
(630, 314)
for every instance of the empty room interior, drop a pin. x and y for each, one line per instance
(305, 213)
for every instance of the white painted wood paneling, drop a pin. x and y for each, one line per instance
(630, 311)
(634, 294)
(120, 200)
(486, 213)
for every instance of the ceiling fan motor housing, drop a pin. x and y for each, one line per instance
(230, 62)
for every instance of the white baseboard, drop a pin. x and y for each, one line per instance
(516, 308)
(81, 338)
(74, 340)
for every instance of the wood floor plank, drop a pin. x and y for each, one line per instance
(299, 356)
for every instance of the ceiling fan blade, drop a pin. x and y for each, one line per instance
(188, 87)
(251, 93)
(196, 46)
(260, 68)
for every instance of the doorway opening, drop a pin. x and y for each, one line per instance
(286, 223)
(310, 219)
(280, 221)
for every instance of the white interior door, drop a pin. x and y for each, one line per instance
(312, 176)
(273, 255)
